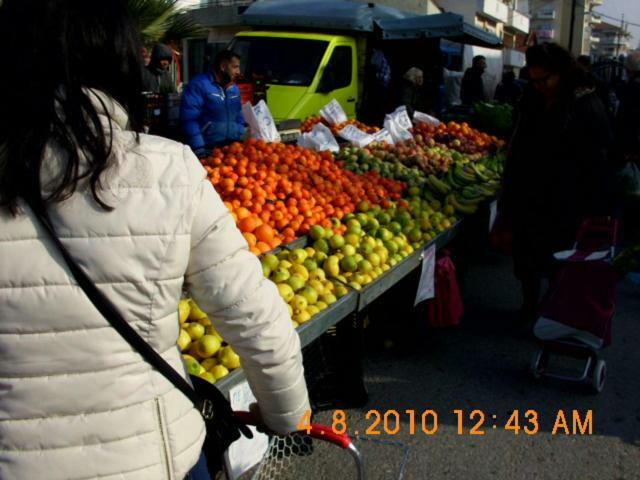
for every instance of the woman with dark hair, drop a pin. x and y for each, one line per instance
(138, 215)
(557, 167)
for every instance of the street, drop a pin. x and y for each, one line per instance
(484, 365)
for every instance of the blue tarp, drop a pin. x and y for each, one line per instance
(443, 25)
(326, 14)
(348, 15)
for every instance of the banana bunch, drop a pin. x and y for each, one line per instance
(464, 186)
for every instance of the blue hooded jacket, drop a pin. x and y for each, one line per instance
(211, 115)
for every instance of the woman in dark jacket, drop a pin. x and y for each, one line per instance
(557, 167)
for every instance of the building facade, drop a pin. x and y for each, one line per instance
(551, 22)
(505, 19)
(611, 41)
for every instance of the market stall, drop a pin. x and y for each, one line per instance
(336, 230)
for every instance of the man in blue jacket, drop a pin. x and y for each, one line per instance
(210, 110)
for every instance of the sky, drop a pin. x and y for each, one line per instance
(631, 10)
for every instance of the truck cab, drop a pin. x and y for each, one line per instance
(301, 72)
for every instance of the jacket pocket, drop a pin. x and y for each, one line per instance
(167, 458)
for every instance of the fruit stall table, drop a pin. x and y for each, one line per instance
(351, 304)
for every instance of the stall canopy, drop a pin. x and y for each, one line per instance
(443, 25)
(393, 23)
(328, 14)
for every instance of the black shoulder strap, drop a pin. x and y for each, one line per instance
(111, 313)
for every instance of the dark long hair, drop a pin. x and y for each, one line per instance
(53, 51)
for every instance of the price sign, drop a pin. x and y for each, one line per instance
(244, 453)
(426, 287)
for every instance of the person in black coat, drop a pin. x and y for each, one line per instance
(557, 167)
(508, 90)
(156, 77)
(472, 89)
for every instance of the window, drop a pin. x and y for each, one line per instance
(339, 69)
(280, 61)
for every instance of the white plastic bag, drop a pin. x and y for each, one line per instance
(401, 116)
(333, 113)
(397, 132)
(419, 117)
(383, 136)
(261, 123)
(355, 136)
(319, 139)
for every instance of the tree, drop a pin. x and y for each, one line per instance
(163, 21)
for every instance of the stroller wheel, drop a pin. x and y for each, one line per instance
(599, 376)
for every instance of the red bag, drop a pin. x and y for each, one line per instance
(446, 309)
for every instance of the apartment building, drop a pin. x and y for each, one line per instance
(551, 22)
(610, 41)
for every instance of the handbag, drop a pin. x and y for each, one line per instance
(221, 426)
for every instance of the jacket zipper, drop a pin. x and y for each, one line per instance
(226, 104)
(163, 436)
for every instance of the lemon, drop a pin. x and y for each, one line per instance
(318, 275)
(209, 363)
(317, 285)
(320, 305)
(183, 340)
(193, 366)
(195, 330)
(219, 371)
(228, 358)
(296, 283)
(300, 271)
(285, 291)
(299, 303)
(195, 313)
(310, 294)
(209, 377)
(184, 308)
(207, 346)
(302, 317)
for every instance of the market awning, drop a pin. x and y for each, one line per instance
(328, 14)
(443, 25)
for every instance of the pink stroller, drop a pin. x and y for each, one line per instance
(577, 311)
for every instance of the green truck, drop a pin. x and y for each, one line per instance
(299, 54)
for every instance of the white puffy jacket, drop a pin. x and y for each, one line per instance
(76, 402)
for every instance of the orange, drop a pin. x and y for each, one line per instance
(264, 233)
(248, 224)
(250, 238)
(263, 247)
(242, 213)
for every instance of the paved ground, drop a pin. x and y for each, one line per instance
(484, 365)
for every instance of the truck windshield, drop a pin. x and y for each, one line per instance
(282, 61)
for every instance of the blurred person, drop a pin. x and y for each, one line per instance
(627, 155)
(557, 166)
(412, 93)
(628, 118)
(377, 84)
(156, 77)
(508, 90)
(211, 109)
(139, 216)
(146, 57)
(472, 89)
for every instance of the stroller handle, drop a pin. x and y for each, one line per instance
(314, 430)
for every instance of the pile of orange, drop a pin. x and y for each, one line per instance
(462, 131)
(311, 122)
(276, 192)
